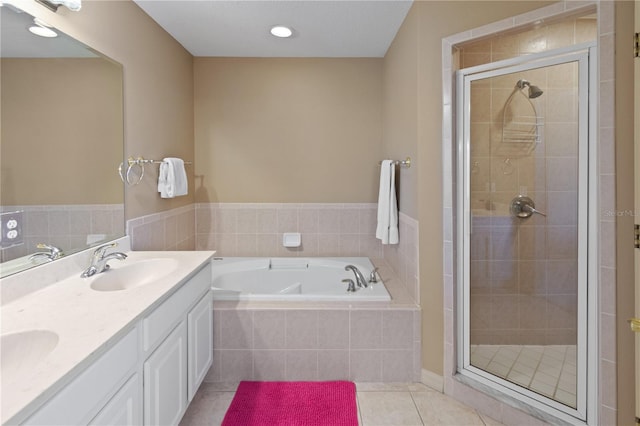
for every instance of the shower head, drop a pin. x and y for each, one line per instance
(534, 91)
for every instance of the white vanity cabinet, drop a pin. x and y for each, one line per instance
(150, 375)
(95, 388)
(178, 362)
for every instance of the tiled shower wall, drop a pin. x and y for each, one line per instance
(606, 408)
(64, 226)
(524, 271)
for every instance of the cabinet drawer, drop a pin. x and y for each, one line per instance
(158, 325)
(81, 399)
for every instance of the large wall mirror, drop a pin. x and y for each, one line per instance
(61, 142)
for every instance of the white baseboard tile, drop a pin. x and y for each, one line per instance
(432, 380)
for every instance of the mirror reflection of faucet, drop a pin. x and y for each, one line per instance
(52, 252)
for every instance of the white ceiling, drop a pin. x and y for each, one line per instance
(240, 28)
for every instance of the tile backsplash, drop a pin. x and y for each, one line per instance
(169, 230)
(65, 226)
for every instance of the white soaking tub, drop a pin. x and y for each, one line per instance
(286, 278)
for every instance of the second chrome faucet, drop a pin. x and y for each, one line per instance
(100, 258)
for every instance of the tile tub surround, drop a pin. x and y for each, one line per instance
(368, 341)
(328, 230)
(169, 230)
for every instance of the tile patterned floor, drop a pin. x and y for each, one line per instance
(548, 370)
(379, 404)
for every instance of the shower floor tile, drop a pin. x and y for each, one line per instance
(548, 370)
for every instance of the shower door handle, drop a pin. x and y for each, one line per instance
(524, 207)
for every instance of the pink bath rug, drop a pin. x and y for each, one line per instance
(293, 404)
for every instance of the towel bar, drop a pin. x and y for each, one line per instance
(139, 161)
(402, 163)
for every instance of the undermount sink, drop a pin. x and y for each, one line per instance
(133, 275)
(20, 352)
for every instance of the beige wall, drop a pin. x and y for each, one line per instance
(61, 131)
(624, 172)
(427, 23)
(158, 87)
(287, 130)
(400, 110)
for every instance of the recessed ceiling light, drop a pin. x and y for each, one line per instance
(42, 29)
(281, 31)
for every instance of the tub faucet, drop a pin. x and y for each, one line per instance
(99, 260)
(362, 282)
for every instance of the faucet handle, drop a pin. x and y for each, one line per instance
(351, 285)
(100, 250)
(373, 277)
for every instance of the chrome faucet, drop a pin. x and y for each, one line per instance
(53, 252)
(362, 282)
(99, 260)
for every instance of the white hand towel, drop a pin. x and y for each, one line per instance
(172, 178)
(387, 229)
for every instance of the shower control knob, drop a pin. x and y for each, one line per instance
(524, 207)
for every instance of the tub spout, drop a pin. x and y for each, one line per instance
(362, 282)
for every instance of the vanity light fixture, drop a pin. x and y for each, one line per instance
(281, 31)
(42, 29)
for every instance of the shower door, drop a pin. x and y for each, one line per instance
(523, 227)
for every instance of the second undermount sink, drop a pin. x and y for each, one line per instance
(22, 351)
(133, 275)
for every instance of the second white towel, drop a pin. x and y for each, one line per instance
(172, 178)
(387, 229)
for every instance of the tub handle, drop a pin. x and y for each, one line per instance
(351, 287)
(372, 277)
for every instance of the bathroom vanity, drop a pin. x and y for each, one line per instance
(79, 350)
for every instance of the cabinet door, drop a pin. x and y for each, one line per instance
(165, 380)
(124, 408)
(200, 322)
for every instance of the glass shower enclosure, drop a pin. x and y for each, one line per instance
(523, 226)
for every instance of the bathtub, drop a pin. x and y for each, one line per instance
(286, 278)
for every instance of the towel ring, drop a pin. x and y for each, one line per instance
(133, 163)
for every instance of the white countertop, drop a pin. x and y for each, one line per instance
(87, 323)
